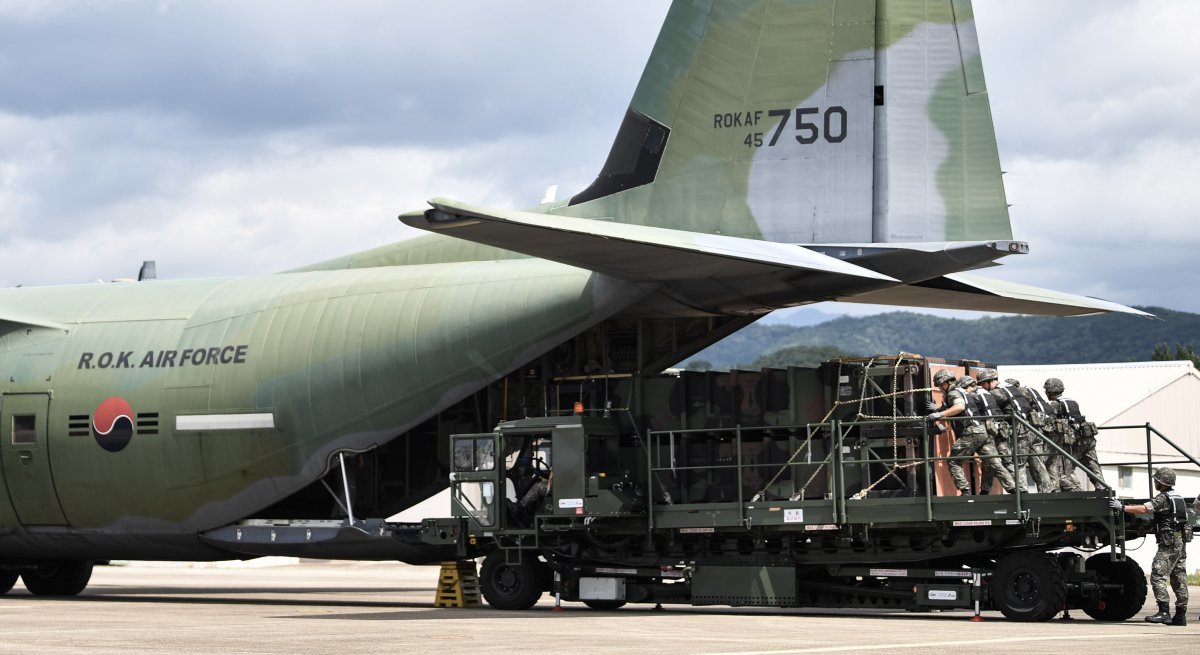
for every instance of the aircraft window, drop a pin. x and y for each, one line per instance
(474, 454)
(24, 429)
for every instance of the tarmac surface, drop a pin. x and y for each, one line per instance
(356, 607)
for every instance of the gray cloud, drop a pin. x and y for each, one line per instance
(229, 137)
(367, 72)
(1093, 105)
(225, 137)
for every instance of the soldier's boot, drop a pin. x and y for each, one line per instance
(1163, 616)
(1180, 617)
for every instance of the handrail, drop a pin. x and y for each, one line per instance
(1150, 462)
(837, 461)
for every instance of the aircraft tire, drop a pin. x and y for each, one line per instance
(60, 578)
(1116, 605)
(508, 586)
(7, 580)
(1028, 587)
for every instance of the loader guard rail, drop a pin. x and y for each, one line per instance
(1150, 462)
(814, 476)
(741, 476)
(830, 464)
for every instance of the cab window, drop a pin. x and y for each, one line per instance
(475, 454)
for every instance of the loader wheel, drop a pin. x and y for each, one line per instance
(60, 578)
(508, 586)
(1028, 587)
(1116, 604)
(7, 580)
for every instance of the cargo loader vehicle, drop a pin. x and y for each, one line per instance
(853, 508)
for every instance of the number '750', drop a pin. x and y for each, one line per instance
(831, 126)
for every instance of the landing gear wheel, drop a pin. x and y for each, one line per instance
(1116, 605)
(1028, 587)
(7, 580)
(61, 578)
(511, 586)
(605, 604)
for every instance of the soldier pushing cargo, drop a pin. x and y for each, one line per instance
(972, 437)
(1039, 418)
(1013, 401)
(997, 428)
(1046, 414)
(1080, 433)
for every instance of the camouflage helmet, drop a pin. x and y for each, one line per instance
(966, 381)
(941, 377)
(987, 375)
(1053, 385)
(1165, 475)
(1012, 382)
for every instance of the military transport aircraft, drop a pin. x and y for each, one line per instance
(775, 153)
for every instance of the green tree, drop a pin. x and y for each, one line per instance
(1163, 353)
(699, 365)
(806, 356)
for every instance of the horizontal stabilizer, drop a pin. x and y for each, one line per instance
(710, 273)
(627, 251)
(960, 291)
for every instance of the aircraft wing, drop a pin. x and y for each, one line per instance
(961, 291)
(12, 318)
(632, 251)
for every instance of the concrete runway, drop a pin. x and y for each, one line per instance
(340, 607)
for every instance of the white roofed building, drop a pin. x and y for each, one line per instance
(1165, 395)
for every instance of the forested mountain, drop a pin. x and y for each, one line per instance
(1004, 340)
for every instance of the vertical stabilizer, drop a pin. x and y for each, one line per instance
(809, 121)
(937, 169)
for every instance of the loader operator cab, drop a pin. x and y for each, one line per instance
(529, 477)
(568, 466)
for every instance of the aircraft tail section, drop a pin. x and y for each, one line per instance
(818, 121)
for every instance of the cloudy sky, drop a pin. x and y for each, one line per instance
(226, 137)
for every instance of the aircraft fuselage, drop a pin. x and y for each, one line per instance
(139, 415)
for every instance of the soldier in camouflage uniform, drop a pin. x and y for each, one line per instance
(972, 438)
(997, 428)
(1082, 432)
(1013, 401)
(1173, 532)
(1060, 467)
(1038, 418)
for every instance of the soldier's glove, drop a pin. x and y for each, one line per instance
(934, 416)
(1116, 504)
(931, 406)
